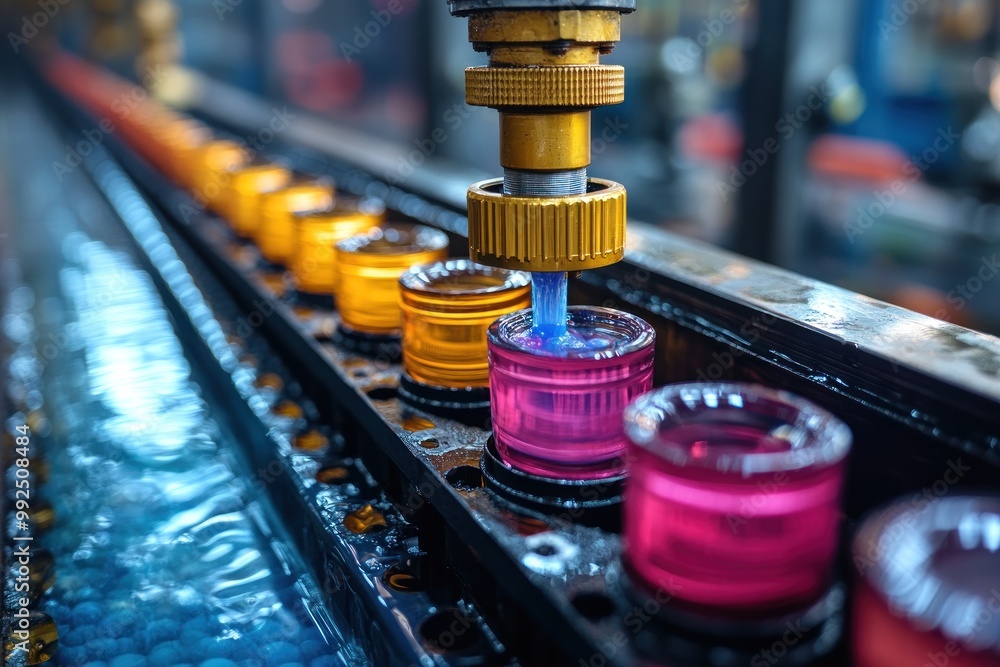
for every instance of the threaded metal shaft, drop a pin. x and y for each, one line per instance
(544, 183)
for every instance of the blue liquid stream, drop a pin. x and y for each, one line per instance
(549, 308)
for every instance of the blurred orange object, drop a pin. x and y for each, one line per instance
(275, 235)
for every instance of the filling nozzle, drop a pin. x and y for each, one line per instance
(544, 77)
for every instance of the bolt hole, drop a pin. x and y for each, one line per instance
(430, 443)
(465, 478)
(382, 393)
(360, 373)
(593, 606)
(403, 577)
(450, 631)
(333, 475)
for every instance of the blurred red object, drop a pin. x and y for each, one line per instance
(711, 138)
(857, 159)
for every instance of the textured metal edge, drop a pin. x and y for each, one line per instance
(569, 233)
(565, 86)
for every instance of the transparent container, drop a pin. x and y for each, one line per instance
(558, 412)
(316, 235)
(368, 269)
(447, 308)
(927, 587)
(275, 235)
(733, 497)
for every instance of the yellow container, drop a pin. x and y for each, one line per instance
(241, 198)
(369, 268)
(316, 233)
(209, 168)
(447, 308)
(275, 235)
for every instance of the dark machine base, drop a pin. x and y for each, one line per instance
(587, 502)
(265, 264)
(312, 300)
(802, 637)
(384, 347)
(469, 406)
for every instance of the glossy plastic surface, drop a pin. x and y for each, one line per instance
(316, 233)
(369, 268)
(275, 235)
(733, 497)
(447, 307)
(558, 413)
(927, 587)
(241, 198)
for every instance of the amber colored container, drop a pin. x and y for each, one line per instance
(316, 234)
(241, 198)
(275, 234)
(447, 308)
(369, 268)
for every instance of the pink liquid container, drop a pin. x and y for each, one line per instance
(927, 589)
(732, 502)
(557, 404)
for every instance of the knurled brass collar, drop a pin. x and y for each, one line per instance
(568, 233)
(568, 86)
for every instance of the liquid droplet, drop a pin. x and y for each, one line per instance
(365, 520)
(414, 423)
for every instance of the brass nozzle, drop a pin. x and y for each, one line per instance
(544, 77)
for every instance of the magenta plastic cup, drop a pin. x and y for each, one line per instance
(927, 581)
(733, 497)
(557, 409)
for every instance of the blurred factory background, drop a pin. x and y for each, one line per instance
(857, 142)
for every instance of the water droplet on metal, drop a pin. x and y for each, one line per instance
(365, 520)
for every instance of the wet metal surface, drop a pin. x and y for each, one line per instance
(164, 552)
(954, 354)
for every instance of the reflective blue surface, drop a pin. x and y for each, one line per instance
(163, 554)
